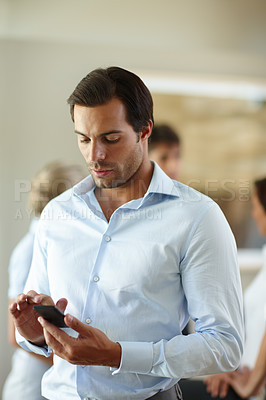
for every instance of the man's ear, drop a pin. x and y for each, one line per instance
(146, 131)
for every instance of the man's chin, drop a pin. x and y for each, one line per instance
(106, 184)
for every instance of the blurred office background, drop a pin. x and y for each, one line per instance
(204, 61)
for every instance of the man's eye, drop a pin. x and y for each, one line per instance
(84, 140)
(111, 139)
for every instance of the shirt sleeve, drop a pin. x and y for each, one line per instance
(37, 280)
(211, 282)
(28, 346)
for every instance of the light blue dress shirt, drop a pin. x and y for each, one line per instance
(138, 278)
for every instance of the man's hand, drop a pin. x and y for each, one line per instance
(218, 385)
(91, 347)
(26, 319)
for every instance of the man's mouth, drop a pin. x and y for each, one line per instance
(102, 172)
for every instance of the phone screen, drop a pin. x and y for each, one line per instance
(51, 314)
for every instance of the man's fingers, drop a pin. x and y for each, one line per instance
(62, 304)
(61, 343)
(51, 341)
(14, 310)
(22, 301)
(43, 299)
(33, 297)
(77, 325)
(30, 296)
(54, 331)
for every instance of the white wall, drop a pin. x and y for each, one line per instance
(207, 36)
(46, 47)
(5, 351)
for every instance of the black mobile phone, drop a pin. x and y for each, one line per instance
(51, 314)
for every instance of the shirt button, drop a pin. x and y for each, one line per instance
(107, 238)
(96, 278)
(88, 321)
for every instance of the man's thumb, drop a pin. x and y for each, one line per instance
(76, 325)
(61, 304)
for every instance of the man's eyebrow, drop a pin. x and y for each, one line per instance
(79, 133)
(101, 134)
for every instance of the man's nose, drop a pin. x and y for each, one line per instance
(172, 164)
(97, 151)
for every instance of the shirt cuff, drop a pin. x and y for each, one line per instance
(26, 345)
(137, 357)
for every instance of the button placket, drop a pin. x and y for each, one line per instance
(107, 239)
(95, 279)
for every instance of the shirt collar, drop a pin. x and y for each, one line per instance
(160, 183)
(85, 186)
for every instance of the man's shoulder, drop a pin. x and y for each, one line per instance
(187, 205)
(62, 207)
(69, 197)
(190, 196)
(63, 200)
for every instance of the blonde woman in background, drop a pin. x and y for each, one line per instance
(24, 379)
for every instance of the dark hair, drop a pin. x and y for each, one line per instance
(163, 134)
(260, 186)
(102, 85)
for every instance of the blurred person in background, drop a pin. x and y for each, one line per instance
(24, 379)
(164, 149)
(251, 382)
(249, 379)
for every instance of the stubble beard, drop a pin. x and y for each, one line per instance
(127, 173)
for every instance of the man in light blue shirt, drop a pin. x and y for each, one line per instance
(130, 254)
